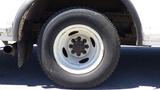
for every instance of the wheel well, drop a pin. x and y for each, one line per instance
(120, 14)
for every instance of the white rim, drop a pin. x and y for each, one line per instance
(78, 49)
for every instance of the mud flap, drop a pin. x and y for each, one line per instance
(24, 52)
(25, 45)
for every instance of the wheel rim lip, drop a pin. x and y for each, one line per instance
(71, 67)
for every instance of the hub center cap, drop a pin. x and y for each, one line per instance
(79, 46)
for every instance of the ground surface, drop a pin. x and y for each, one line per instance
(137, 67)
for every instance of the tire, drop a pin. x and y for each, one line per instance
(74, 62)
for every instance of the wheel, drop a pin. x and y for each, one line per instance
(79, 48)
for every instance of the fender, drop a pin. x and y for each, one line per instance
(16, 26)
(135, 17)
(13, 29)
(149, 16)
(128, 3)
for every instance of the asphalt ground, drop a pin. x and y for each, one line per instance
(138, 69)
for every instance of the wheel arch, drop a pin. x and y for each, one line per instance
(135, 19)
(28, 11)
(19, 16)
(31, 5)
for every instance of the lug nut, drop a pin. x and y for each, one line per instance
(70, 46)
(73, 52)
(86, 46)
(84, 41)
(78, 54)
(73, 40)
(84, 52)
(79, 38)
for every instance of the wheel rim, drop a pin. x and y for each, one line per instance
(78, 49)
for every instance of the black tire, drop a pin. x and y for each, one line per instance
(106, 30)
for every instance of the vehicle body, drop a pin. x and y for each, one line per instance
(21, 21)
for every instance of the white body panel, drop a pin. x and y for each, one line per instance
(147, 10)
(149, 14)
(8, 9)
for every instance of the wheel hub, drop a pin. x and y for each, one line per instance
(79, 46)
(78, 49)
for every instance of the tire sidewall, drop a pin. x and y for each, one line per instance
(94, 20)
